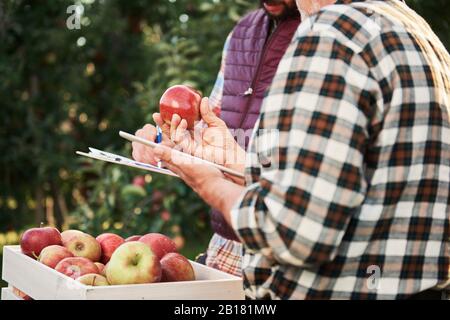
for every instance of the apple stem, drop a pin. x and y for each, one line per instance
(35, 256)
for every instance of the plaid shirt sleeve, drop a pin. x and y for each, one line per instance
(298, 210)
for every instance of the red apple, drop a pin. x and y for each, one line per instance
(92, 279)
(159, 243)
(100, 267)
(69, 234)
(133, 238)
(133, 263)
(181, 100)
(176, 267)
(84, 245)
(75, 267)
(35, 239)
(21, 294)
(52, 255)
(109, 243)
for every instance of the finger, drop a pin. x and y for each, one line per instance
(162, 153)
(148, 132)
(165, 128)
(181, 136)
(208, 115)
(136, 154)
(174, 123)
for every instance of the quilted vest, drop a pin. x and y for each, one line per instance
(251, 63)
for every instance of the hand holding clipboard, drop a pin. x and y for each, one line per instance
(149, 143)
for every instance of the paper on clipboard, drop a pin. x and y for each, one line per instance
(117, 159)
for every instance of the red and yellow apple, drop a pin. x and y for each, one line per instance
(69, 234)
(93, 279)
(176, 267)
(182, 100)
(109, 242)
(52, 255)
(76, 267)
(84, 245)
(159, 244)
(34, 240)
(133, 263)
(133, 238)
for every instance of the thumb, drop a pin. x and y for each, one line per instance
(209, 116)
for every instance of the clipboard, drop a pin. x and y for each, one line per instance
(118, 159)
(149, 143)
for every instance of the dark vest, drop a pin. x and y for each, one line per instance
(251, 63)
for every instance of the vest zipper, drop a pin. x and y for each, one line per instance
(250, 90)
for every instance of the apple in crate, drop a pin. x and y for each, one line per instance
(133, 263)
(84, 245)
(76, 267)
(109, 242)
(34, 240)
(100, 267)
(159, 244)
(175, 267)
(133, 238)
(93, 279)
(21, 294)
(68, 234)
(52, 255)
(181, 100)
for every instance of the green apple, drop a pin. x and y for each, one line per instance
(133, 263)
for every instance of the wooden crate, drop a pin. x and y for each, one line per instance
(43, 283)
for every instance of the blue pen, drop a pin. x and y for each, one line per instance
(158, 140)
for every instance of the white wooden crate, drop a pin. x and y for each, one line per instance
(43, 283)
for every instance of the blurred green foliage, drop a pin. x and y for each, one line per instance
(64, 90)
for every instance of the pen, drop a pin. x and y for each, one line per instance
(158, 140)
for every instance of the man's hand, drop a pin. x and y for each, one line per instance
(210, 140)
(207, 181)
(143, 153)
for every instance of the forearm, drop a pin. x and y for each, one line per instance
(222, 194)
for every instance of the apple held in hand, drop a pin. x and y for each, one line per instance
(181, 100)
(176, 267)
(52, 255)
(36, 239)
(159, 244)
(92, 279)
(75, 267)
(84, 245)
(133, 263)
(109, 242)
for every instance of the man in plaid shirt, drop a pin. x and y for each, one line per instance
(351, 200)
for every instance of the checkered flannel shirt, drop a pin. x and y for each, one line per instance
(356, 201)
